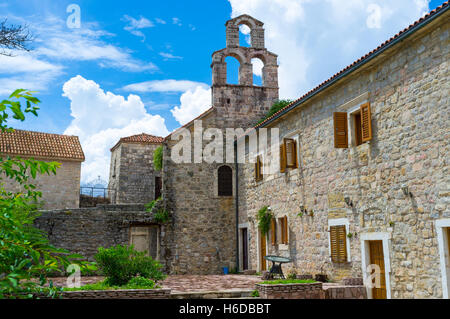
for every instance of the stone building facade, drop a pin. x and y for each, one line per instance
(388, 191)
(58, 191)
(201, 195)
(132, 177)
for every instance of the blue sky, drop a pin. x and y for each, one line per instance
(159, 52)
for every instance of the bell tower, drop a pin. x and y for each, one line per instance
(243, 104)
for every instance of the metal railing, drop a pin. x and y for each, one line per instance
(91, 196)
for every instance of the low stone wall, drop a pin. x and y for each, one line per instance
(291, 291)
(345, 292)
(163, 293)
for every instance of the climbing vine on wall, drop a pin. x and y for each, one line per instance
(158, 158)
(264, 218)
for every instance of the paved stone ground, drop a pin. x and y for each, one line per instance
(189, 283)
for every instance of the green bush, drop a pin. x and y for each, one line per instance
(140, 283)
(121, 263)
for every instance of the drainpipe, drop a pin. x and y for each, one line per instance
(236, 197)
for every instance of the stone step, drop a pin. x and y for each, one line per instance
(220, 294)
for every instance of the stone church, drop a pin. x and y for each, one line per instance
(361, 179)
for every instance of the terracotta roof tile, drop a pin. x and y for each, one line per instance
(359, 61)
(41, 145)
(139, 138)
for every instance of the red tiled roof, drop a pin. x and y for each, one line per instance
(359, 62)
(41, 145)
(139, 138)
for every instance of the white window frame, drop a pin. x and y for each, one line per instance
(281, 246)
(340, 222)
(443, 244)
(365, 258)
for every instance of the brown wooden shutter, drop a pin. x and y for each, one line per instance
(342, 244)
(295, 155)
(274, 231)
(282, 158)
(340, 130)
(338, 244)
(366, 122)
(284, 230)
(333, 244)
(258, 169)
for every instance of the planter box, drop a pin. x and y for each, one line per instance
(291, 291)
(118, 294)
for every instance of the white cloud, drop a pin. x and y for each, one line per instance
(193, 103)
(176, 21)
(135, 25)
(100, 119)
(160, 21)
(26, 70)
(164, 86)
(316, 39)
(170, 56)
(56, 42)
(374, 18)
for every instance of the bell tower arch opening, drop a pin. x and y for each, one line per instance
(245, 101)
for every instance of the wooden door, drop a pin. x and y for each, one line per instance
(244, 249)
(377, 258)
(263, 251)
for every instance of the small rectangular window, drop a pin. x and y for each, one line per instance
(291, 152)
(357, 124)
(338, 244)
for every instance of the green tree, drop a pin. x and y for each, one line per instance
(158, 158)
(278, 105)
(26, 256)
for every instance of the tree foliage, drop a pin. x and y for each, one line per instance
(264, 217)
(158, 158)
(13, 37)
(26, 256)
(278, 105)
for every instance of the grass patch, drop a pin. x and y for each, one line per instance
(288, 281)
(135, 283)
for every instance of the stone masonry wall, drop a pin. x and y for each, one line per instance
(58, 191)
(83, 230)
(408, 90)
(134, 178)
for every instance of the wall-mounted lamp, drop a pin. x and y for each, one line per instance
(405, 190)
(303, 209)
(348, 201)
(269, 208)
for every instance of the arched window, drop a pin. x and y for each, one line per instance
(245, 39)
(257, 65)
(233, 65)
(225, 181)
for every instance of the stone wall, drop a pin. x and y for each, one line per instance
(58, 191)
(291, 291)
(83, 230)
(132, 176)
(408, 90)
(118, 294)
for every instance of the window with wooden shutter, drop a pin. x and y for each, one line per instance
(340, 130)
(366, 123)
(338, 244)
(282, 158)
(290, 146)
(284, 230)
(273, 226)
(258, 169)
